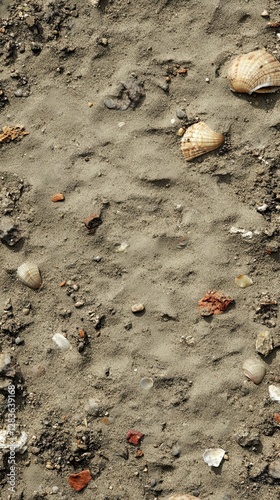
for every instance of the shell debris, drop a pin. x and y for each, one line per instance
(200, 139)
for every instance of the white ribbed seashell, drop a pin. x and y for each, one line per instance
(61, 342)
(213, 456)
(29, 274)
(200, 139)
(257, 71)
(254, 370)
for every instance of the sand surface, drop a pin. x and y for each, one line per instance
(165, 240)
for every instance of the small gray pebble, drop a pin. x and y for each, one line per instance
(180, 113)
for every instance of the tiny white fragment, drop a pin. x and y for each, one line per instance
(122, 247)
(274, 392)
(61, 342)
(213, 456)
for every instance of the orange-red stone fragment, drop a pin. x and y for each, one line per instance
(214, 303)
(58, 197)
(134, 437)
(92, 222)
(277, 418)
(80, 480)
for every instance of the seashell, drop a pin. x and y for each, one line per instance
(61, 342)
(254, 370)
(257, 71)
(242, 281)
(213, 456)
(200, 139)
(29, 274)
(274, 392)
(146, 383)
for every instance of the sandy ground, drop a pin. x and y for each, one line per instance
(165, 240)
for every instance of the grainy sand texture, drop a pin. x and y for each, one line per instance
(102, 89)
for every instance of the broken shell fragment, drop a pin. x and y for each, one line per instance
(257, 71)
(254, 370)
(200, 139)
(61, 342)
(264, 343)
(242, 281)
(213, 456)
(274, 393)
(29, 274)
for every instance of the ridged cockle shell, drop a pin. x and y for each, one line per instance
(254, 369)
(29, 274)
(200, 139)
(257, 71)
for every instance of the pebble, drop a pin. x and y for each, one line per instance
(79, 304)
(274, 469)
(264, 343)
(181, 114)
(247, 439)
(26, 311)
(18, 93)
(262, 208)
(136, 308)
(265, 13)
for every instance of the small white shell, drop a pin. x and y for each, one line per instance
(29, 274)
(274, 392)
(254, 370)
(213, 456)
(242, 281)
(61, 342)
(146, 383)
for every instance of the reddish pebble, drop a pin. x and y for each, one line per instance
(134, 437)
(58, 197)
(277, 418)
(80, 480)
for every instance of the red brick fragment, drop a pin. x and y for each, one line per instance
(80, 480)
(134, 437)
(214, 303)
